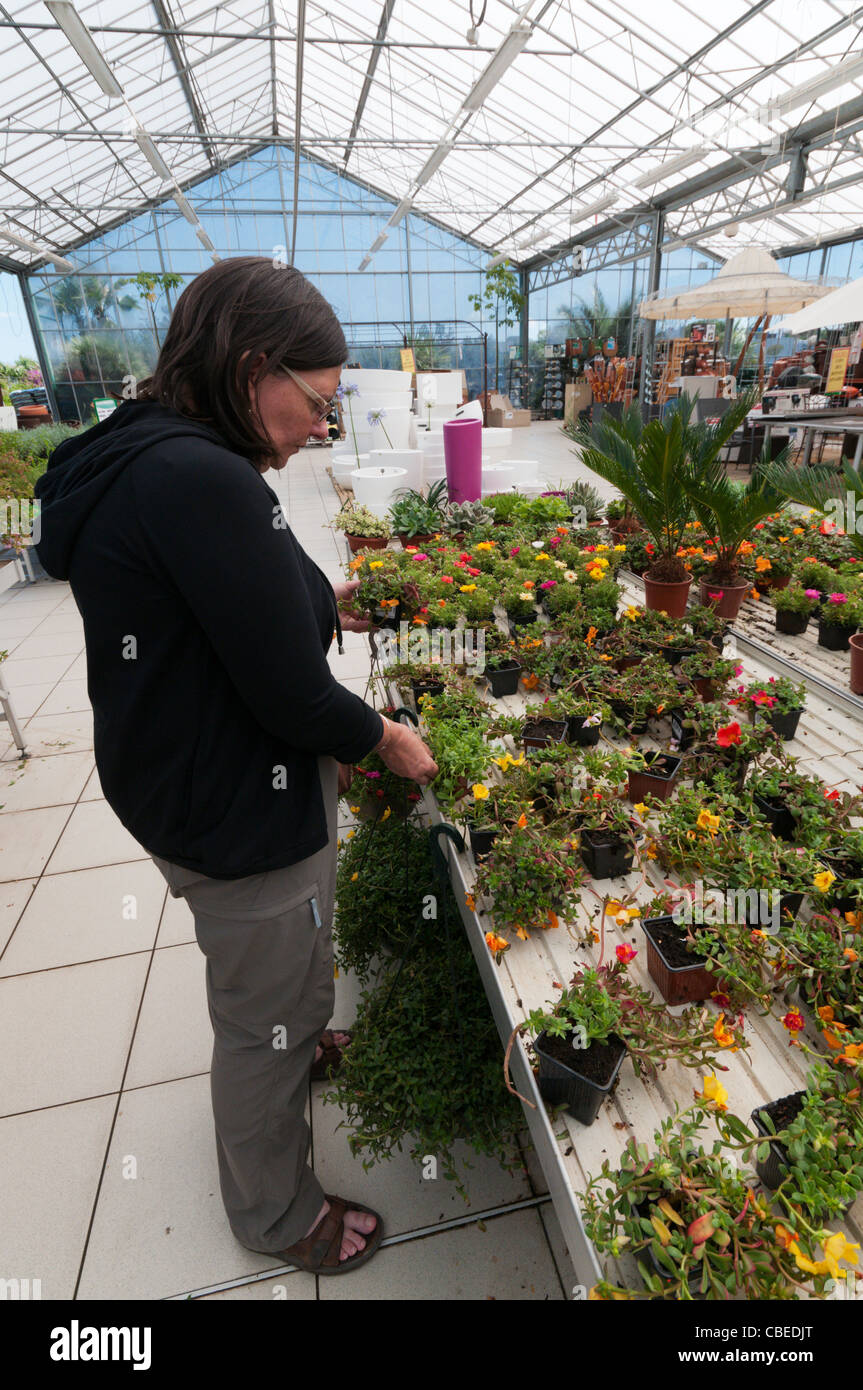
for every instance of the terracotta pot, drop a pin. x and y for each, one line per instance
(661, 597)
(418, 541)
(856, 644)
(366, 543)
(729, 605)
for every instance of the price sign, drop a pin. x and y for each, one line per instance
(103, 407)
(838, 368)
(408, 363)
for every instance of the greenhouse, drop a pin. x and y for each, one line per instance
(431, 662)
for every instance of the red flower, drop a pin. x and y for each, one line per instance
(625, 954)
(793, 1021)
(831, 796)
(729, 735)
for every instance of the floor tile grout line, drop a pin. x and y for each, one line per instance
(98, 960)
(403, 1238)
(119, 1100)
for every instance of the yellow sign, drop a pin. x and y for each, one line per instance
(838, 368)
(408, 363)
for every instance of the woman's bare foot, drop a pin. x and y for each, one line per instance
(358, 1224)
(340, 1039)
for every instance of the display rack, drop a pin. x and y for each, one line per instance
(552, 394)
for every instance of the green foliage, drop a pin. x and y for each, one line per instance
(412, 514)
(587, 1006)
(793, 599)
(823, 489)
(356, 520)
(378, 910)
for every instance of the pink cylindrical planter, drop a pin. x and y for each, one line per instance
(462, 447)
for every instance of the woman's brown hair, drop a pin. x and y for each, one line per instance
(224, 321)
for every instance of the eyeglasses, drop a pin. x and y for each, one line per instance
(324, 407)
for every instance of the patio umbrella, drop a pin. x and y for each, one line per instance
(749, 285)
(844, 305)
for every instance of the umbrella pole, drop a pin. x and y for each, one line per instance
(753, 330)
(764, 329)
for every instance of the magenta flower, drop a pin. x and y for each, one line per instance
(837, 598)
(420, 555)
(548, 583)
(515, 550)
(812, 593)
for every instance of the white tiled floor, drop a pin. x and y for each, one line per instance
(110, 1185)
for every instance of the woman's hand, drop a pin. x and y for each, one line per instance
(404, 753)
(344, 592)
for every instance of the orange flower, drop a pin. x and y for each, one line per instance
(470, 902)
(496, 944)
(591, 634)
(850, 954)
(721, 1033)
(522, 821)
(551, 920)
(729, 735)
(530, 682)
(831, 1039)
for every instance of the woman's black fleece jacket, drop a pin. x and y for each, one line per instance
(207, 628)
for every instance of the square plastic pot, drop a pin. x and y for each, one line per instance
(543, 732)
(832, 636)
(659, 783)
(565, 1085)
(585, 737)
(678, 984)
(605, 855)
(772, 1170)
(780, 819)
(503, 678)
(683, 737)
(792, 624)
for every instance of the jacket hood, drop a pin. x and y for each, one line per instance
(82, 469)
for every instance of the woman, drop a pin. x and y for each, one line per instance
(221, 735)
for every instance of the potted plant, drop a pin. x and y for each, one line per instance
(460, 517)
(709, 673)
(416, 519)
(841, 616)
(651, 774)
(674, 961)
(532, 876)
(794, 607)
(655, 467)
(728, 514)
(385, 594)
(519, 603)
(363, 530)
(780, 700)
(689, 1212)
(584, 717)
(607, 835)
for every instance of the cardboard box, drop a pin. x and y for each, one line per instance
(577, 397)
(502, 416)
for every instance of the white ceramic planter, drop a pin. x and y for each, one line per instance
(411, 460)
(345, 465)
(526, 470)
(496, 439)
(497, 477)
(447, 387)
(373, 380)
(375, 487)
(389, 400)
(397, 424)
(434, 468)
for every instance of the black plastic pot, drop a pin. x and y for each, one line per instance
(772, 1170)
(606, 855)
(481, 839)
(577, 733)
(675, 654)
(624, 711)
(426, 687)
(780, 819)
(683, 737)
(678, 984)
(522, 620)
(658, 780)
(503, 678)
(792, 624)
(784, 722)
(565, 1085)
(832, 636)
(539, 733)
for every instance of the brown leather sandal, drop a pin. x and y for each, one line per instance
(318, 1253)
(327, 1065)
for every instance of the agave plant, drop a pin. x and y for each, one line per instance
(656, 465)
(838, 496)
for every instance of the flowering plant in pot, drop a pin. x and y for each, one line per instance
(794, 607)
(532, 876)
(841, 615)
(811, 1145)
(584, 716)
(827, 971)
(709, 673)
(690, 1218)
(724, 745)
(362, 528)
(780, 700)
(385, 593)
(608, 837)
(496, 806)
(519, 601)
(642, 691)
(604, 1015)
(416, 517)
(728, 515)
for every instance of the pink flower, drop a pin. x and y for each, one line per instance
(738, 669)
(548, 583)
(515, 550)
(555, 540)
(837, 598)
(812, 593)
(718, 596)
(420, 555)
(625, 954)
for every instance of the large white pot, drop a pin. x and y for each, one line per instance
(397, 424)
(434, 468)
(430, 441)
(345, 465)
(371, 380)
(497, 477)
(447, 387)
(526, 470)
(389, 400)
(411, 460)
(496, 439)
(375, 487)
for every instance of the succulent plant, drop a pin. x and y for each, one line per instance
(467, 516)
(582, 494)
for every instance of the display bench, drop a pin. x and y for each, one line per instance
(570, 1153)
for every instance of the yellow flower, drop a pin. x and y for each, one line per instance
(721, 1033)
(485, 545)
(714, 1093)
(620, 548)
(836, 1247)
(480, 791)
(354, 878)
(707, 821)
(542, 556)
(804, 1263)
(375, 564)
(467, 588)
(353, 810)
(823, 880)
(387, 813)
(640, 809)
(631, 612)
(350, 834)
(602, 547)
